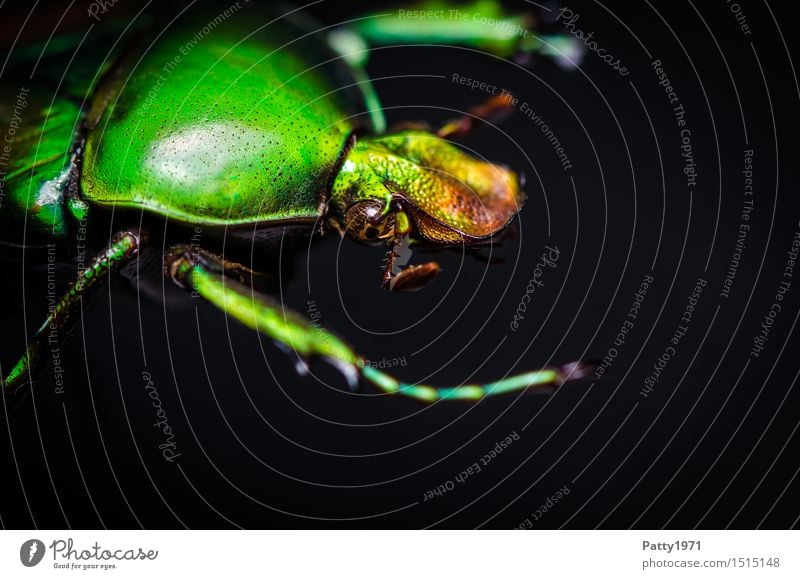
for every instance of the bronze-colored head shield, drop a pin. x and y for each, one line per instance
(449, 195)
(416, 184)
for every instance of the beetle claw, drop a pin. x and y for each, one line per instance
(347, 370)
(576, 371)
(301, 367)
(300, 362)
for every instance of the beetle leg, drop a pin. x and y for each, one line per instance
(515, 35)
(494, 110)
(408, 279)
(203, 274)
(123, 247)
(491, 110)
(544, 381)
(411, 278)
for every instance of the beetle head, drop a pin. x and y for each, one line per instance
(416, 186)
(415, 183)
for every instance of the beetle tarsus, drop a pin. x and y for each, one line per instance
(544, 381)
(492, 110)
(301, 365)
(575, 371)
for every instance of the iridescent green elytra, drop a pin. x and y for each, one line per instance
(248, 124)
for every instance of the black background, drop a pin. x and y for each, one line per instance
(714, 445)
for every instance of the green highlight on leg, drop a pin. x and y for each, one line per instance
(502, 40)
(566, 50)
(17, 376)
(269, 318)
(483, 24)
(355, 52)
(272, 319)
(390, 385)
(521, 381)
(121, 249)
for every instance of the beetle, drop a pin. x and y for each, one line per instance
(256, 127)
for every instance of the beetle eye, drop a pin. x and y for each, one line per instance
(364, 223)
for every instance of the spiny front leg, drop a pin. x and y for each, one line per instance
(204, 274)
(409, 278)
(123, 247)
(413, 277)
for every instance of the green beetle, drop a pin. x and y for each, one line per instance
(242, 124)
